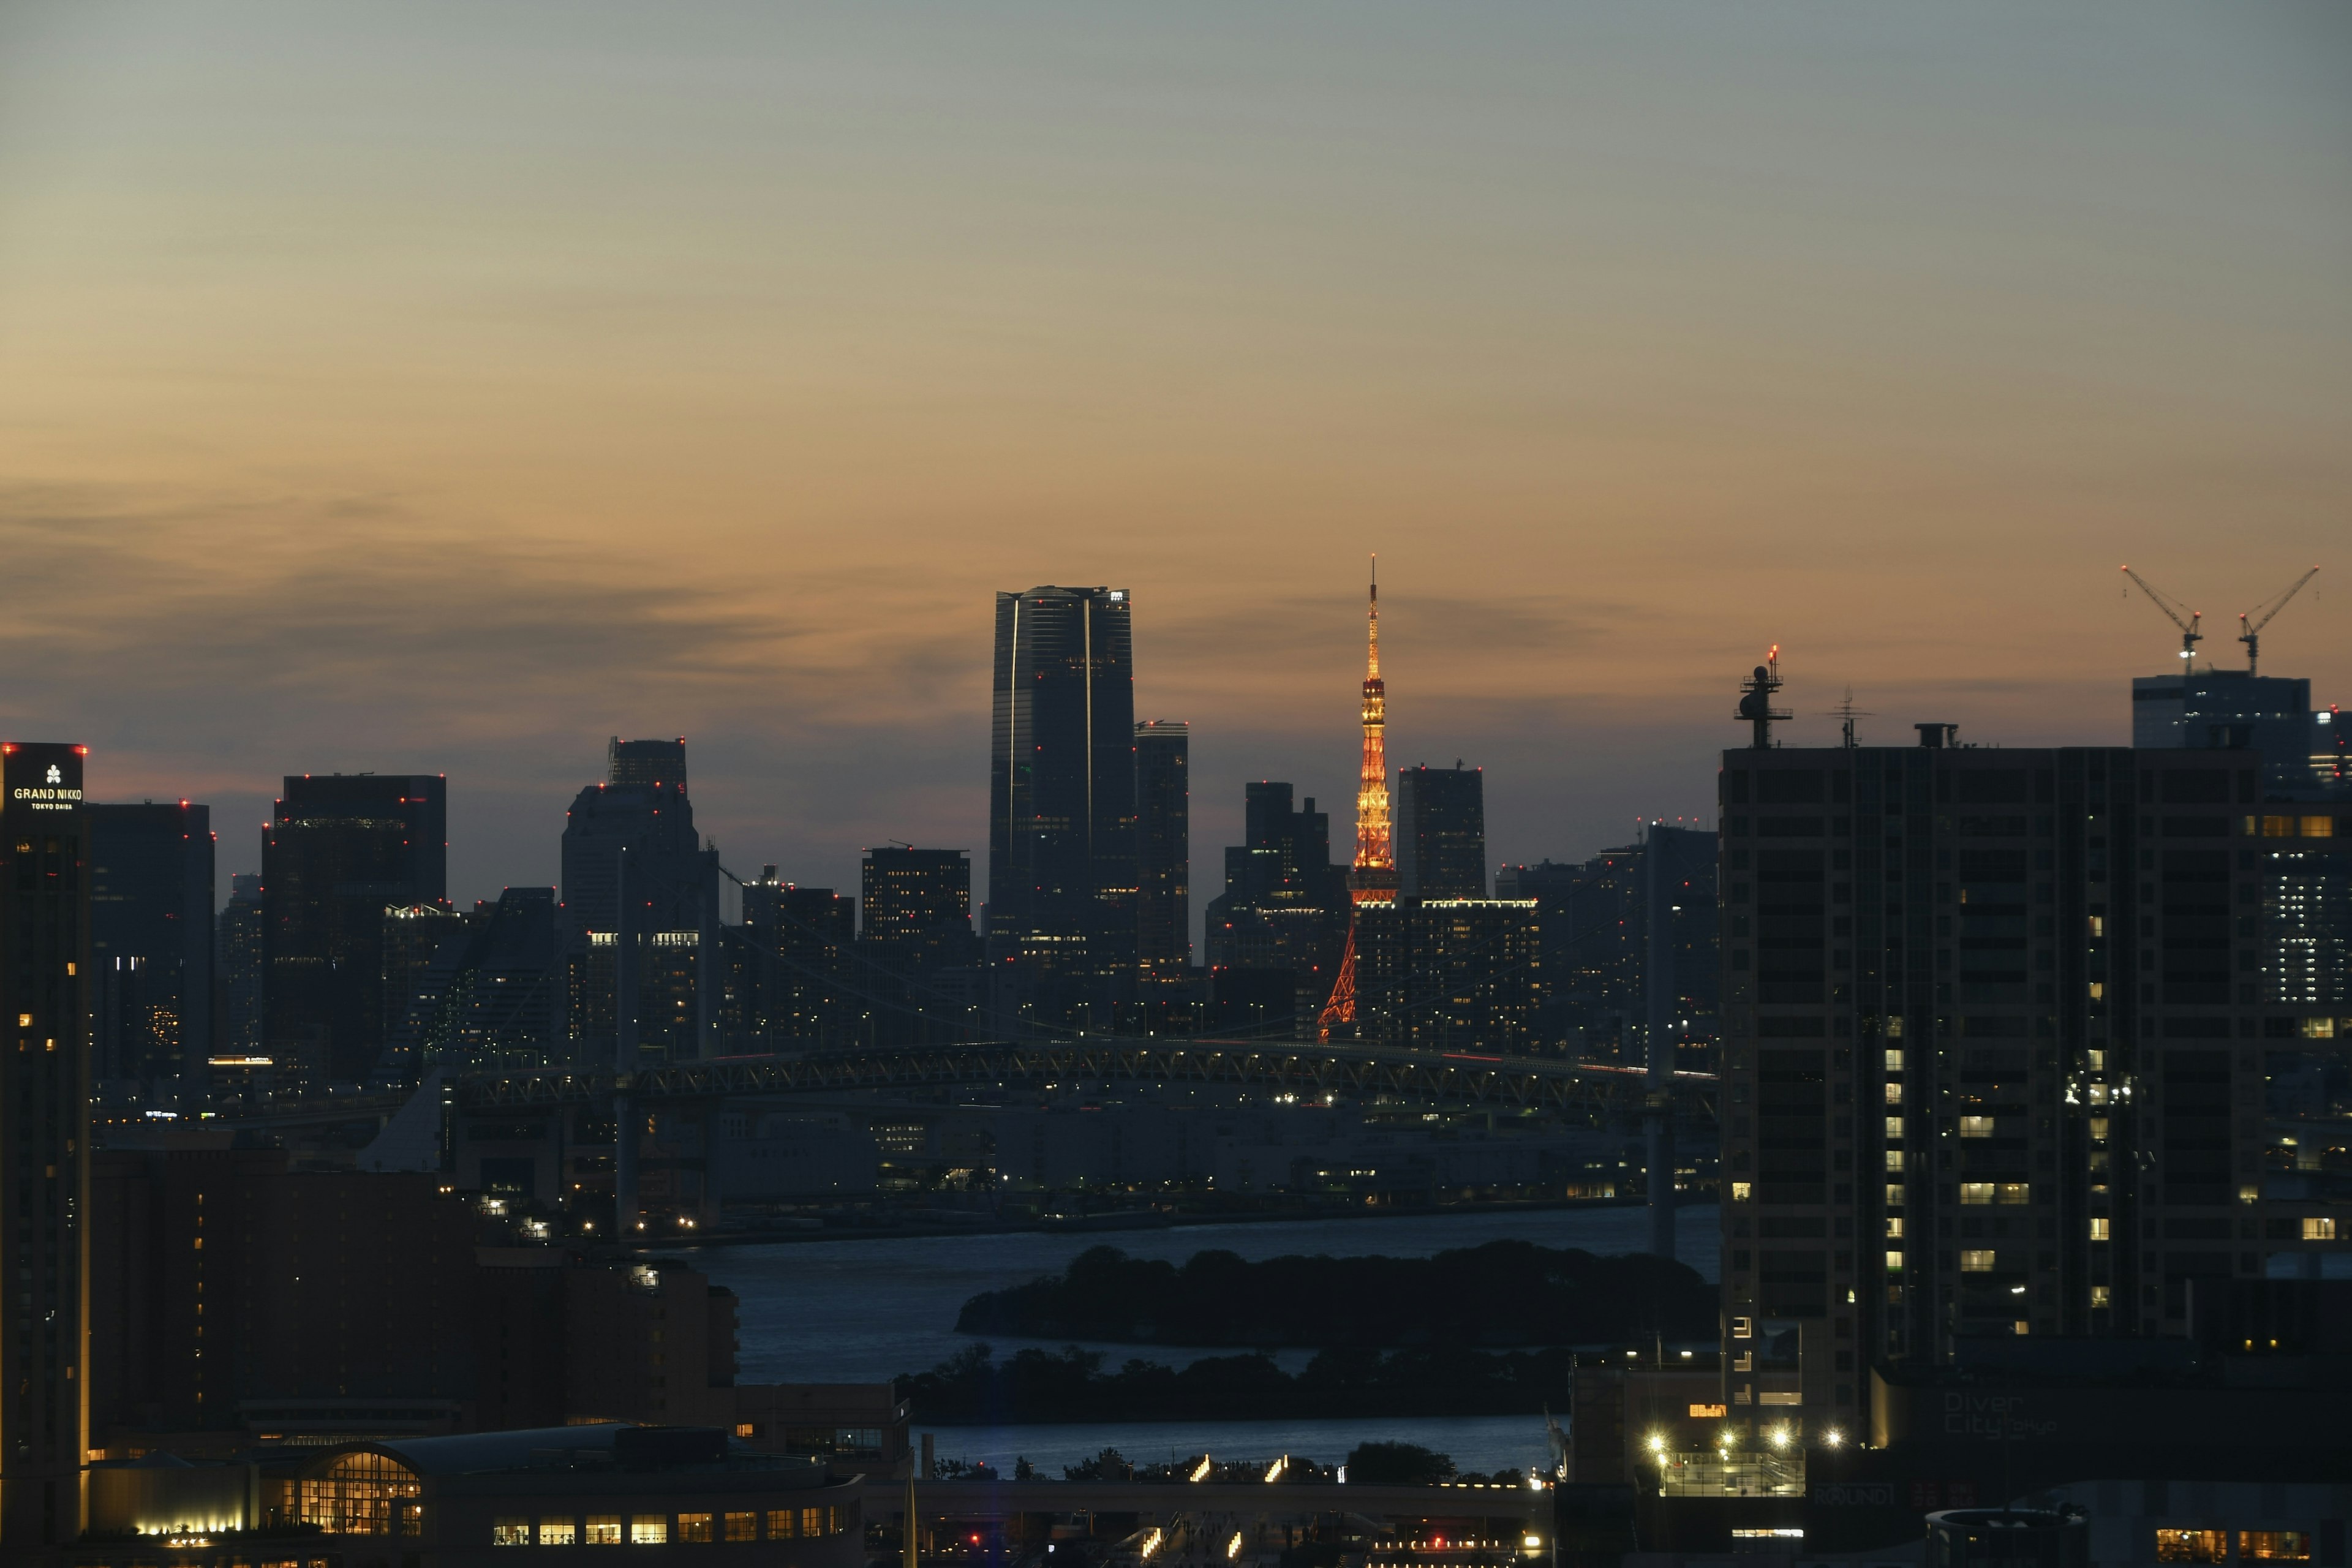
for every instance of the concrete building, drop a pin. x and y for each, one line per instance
(1449, 974)
(1441, 832)
(1163, 815)
(152, 941)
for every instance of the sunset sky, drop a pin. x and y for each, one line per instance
(447, 387)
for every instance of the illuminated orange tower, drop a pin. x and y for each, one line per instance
(1373, 879)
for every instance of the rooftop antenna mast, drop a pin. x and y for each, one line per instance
(1756, 700)
(2249, 632)
(1849, 712)
(2173, 609)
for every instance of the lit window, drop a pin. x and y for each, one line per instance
(650, 1528)
(743, 1527)
(558, 1532)
(1895, 1129)
(1895, 1224)
(746, 1429)
(1740, 1192)
(2098, 990)
(1976, 1126)
(2250, 1195)
(1895, 1195)
(1976, 1192)
(2016, 1191)
(2099, 1295)
(694, 1527)
(2192, 1546)
(812, 1521)
(602, 1530)
(1895, 1260)
(1894, 1160)
(2319, 1227)
(2098, 925)
(510, 1530)
(2098, 1129)
(2319, 827)
(2099, 1224)
(1977, 1260)
(1894, 1094)
(780, 1524)
(1894, 1061)
(2273, 1545)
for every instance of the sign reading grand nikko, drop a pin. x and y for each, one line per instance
(41, 777)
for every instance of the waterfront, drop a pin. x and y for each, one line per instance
(1481, 1443)
(869, 1309)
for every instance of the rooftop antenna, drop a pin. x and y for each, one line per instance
(1849, 712)
(2173, 609)
(2249, 631)
(1755, 701)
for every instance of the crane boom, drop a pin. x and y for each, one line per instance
(2190, 635)
(2249, 631)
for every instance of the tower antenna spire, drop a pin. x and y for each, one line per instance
(1372, 879)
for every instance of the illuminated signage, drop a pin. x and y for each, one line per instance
(43, 778)
(1710, 1412)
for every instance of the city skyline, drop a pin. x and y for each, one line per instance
(1634, 345)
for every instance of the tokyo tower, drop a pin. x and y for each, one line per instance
(1373, 879)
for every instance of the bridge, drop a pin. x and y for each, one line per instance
(1279, 1067)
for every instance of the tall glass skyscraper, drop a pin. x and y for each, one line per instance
(1061, 878)
(1441, 832)
(1163, 805)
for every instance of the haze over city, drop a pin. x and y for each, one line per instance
(443, 389)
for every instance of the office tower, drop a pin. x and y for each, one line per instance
(341, 849)
(239, 965)
(1276, 932)
(1163, 809)
(481, 989)
(2208, 709)
(1061, 843)
(635, 830)
(1993, 1036)
(45, 917)
(425, 948)
(152, 941)
(918, 907)
(1373, 879)
(1441, 832)
(1449, 974)
(803, 940)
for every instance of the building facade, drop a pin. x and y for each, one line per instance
(1441, 832)
(1062, 880)
(152, 941)
(1450, 974)
(341, 850)
(1994, 1027)
(1275, 935)
(1163, 806)
(45, 961)
(917, 907)
(238, 964)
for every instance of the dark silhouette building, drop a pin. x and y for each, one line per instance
(1163, 809)
(152, 941)
(1995, 1024)
(484, 989)
(1280, 926)
(237, 967)
(804, 942)
(1441, 832)
(45, 958)
(637, 881)
(1062, 880)
(918, 907)
(341, 850)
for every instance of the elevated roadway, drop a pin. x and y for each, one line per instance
(1161, 1500)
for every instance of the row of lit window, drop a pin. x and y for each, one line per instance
(659, 1528)
(2213, 1546)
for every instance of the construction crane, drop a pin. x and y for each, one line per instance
(2173, 610)
(2249, 632)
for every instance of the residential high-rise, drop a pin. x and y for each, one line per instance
(1164, 844)
(239, 965)
(152, 941)
(1441, 832)
(645, 765)
(1062, 820)
(342, 849)
(917, 907)
(1994, 1028)
(1449, 974)
(45, 964)
(803, 940)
